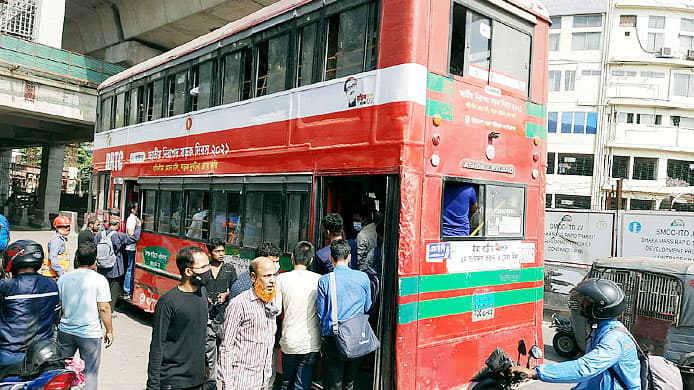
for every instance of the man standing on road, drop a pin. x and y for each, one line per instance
(300, 342)
(249, 331)
(26, 298)
(130, 250)
(58, 261)
(87, 235)
(333, 229)
(353, 292)
(611, 361)
(120, 240)
(177, 352)
(223, 275)
(85, 297)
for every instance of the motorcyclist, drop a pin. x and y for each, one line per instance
(610, 352)
(29, 304)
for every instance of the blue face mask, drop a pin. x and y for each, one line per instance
(357, 226)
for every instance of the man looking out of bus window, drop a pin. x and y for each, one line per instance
(130, 249)
(333, 228)
(300, 342)
(366, 236)
(245, 282)
(223, 275)
(353, 292)
(459, 203)
(179, 330)
(249, 331)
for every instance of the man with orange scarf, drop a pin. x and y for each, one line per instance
(249, 331)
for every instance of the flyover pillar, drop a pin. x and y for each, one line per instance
(50, 182)
(5, 164)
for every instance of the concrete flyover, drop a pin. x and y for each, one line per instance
(47, 98)
(127, 32)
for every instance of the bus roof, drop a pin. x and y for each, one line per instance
(534, 6)
(229, 29)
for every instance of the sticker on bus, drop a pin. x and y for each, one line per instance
(482, 307)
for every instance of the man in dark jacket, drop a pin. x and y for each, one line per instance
(87, 235)
(29, 304)
(114, 275)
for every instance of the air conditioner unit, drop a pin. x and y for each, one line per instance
(690, 55)
(666, 52)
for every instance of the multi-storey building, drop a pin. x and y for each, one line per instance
(621, 104)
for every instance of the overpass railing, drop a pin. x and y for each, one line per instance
(53, 63)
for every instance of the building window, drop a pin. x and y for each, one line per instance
(585, 41)
(654, 75)
(571, 201)
(684, 85)
(644, 168)
(591, 72)
(18, 17)
(686, 43)
(548, 201)
(566, 122)
(657, 22)
(556, 23)
(587, 21)
(554, 42)
(569, 80)
(550, 162)
(575, 164)
(645, 119)
(613, 204)
(620, 167)
(655, 41)
(623, 73)
(552, 118)
(627, 20)
(687, 25)
(641, 204)
(681, 170)
(554, 80)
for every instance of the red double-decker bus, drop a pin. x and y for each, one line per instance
(258, 129)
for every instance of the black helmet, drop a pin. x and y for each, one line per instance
(40, 354)
(598, 299)
(22, 254)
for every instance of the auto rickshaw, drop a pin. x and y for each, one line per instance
(659, 307)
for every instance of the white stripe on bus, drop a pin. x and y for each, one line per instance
(400, 83)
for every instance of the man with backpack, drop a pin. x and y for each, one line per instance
(612, 359)
(110, 245)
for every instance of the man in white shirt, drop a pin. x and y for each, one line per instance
(85, 297)
(300, 341)
(130, 251)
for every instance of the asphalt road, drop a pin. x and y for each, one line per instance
(124, 364)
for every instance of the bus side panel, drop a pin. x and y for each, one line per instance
(404, 25)
(539, 63)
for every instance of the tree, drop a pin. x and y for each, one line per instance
(84, 164)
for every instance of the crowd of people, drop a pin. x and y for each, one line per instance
(215, 329)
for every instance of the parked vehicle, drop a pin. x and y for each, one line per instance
(659, 307)
(564, 340)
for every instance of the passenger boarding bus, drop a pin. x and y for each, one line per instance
(424, 110)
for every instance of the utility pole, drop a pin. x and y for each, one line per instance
(619, 194)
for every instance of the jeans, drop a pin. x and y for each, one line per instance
(214, 338)
(8, 358)
(297, 370)
(90, 352)
(338, 374)
(129, 273)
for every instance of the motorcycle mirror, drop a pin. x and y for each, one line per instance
(536, 352)
(522, 349)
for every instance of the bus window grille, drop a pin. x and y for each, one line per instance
(659, 297)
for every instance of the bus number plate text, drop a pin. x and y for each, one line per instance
(482, 307)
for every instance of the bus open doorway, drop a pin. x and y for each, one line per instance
(346, 196)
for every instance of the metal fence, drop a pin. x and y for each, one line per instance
(18, 17)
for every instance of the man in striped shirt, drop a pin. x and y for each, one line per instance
(249, 331)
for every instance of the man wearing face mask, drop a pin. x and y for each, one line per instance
(179, 330)
(249, 331)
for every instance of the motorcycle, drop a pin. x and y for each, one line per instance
(497, 374)
(564, 340)
(42, 369)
